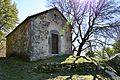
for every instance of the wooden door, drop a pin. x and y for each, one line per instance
(54, 44)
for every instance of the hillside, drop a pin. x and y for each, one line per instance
(14, 68)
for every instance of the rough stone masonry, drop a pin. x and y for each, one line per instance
(39, 36)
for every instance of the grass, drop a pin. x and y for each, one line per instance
(71, 59)
(74, 77)
(13, 68)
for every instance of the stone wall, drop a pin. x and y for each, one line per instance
(17, 42)
(59, 24)
(39, 37)
(40, 29)
(32, 38)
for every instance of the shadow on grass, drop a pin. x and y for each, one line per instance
(72, 69)
(14, 68)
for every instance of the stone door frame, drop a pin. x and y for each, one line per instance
(50, 41)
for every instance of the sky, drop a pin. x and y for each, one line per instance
(29, 7)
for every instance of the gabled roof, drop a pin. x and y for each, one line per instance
(32, 16)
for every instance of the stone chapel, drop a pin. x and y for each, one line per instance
(40, 36)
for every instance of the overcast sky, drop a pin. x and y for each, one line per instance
(29, 7)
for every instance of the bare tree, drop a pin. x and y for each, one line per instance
(88, 19)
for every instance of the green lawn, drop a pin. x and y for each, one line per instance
(13, 68)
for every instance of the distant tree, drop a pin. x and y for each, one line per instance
(102, 54)
(116, 46)
(90, 20)
(106, 53)
(8, 18)
(90, 54)
(110, 51)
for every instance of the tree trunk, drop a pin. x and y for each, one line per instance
(80, 49)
